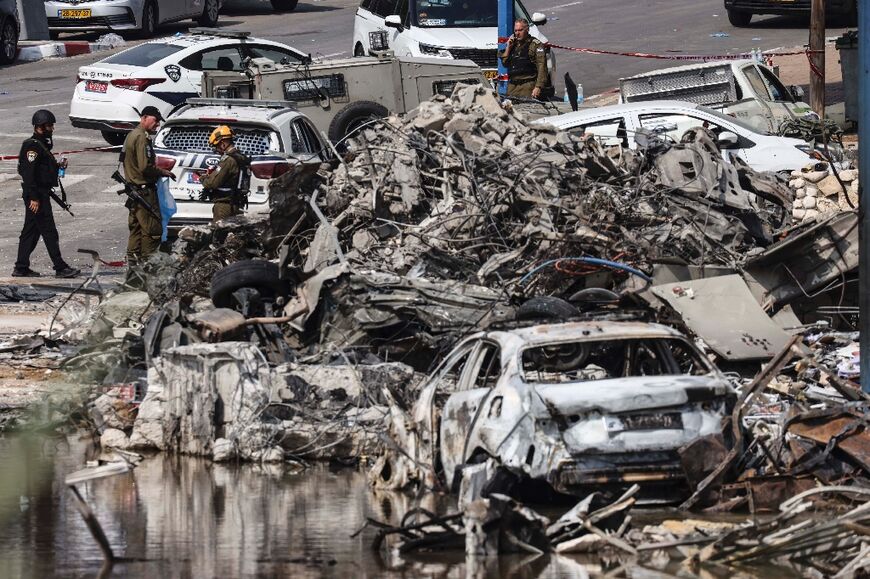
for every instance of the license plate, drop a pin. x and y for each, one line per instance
(81, 13)
(96, 86)
(629, 422)
(193, 178)
(490, 74)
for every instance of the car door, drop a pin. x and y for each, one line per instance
(224, 58)
(168, 10)
(370, 18)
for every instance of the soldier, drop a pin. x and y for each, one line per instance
(526, 60)
(39, 176)
(141, 171)
(226, 184)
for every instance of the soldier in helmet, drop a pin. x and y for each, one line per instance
(39, 176)
(226, 184)
(526, 60)
(141, 170)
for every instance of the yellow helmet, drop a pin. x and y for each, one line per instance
(219, 134)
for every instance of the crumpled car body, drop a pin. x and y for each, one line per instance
(577, 405)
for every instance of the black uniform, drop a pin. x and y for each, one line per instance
(38, 170)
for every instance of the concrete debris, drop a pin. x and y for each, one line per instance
(822, 189)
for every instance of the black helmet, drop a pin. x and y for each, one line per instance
(43, 117)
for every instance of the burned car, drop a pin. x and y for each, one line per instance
(579, 405)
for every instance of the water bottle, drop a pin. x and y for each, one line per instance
(579, 93)
(61, 171)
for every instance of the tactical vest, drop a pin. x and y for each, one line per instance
(239, 191)
(521, 64)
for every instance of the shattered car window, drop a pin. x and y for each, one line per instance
(585, 361)
(489, 367)
(675, 124)
(607, 132)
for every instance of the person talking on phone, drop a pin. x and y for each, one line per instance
(526, 61)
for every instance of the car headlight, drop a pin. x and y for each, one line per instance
(430, 50)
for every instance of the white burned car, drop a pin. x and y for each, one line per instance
(272, 133)
(578, 405)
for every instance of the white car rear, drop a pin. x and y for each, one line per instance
(141, 16)
(162, 73)
(273, 134)
(617, 124)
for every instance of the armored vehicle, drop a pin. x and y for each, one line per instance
(339, 96)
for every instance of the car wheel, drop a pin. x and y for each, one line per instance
(739, 18)
(258, 274)
(149, 20)
(209, 15)
(353, 116)
(8, 42)
(114, 138)
(284, 5)
(359, 50)
(546, 308)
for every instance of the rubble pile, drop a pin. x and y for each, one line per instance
(821, 190)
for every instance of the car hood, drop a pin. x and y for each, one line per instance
(484, 37)
(628, 394)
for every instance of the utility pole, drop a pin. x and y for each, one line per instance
(817, 57)
(864, 196)
(505, 29)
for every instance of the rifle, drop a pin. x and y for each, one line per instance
(61, 201)
(134, 196)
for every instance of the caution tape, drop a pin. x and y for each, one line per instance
(61, 153)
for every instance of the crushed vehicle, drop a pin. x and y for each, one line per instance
(580, 405)
(341, 95)
(745, 89)
(273, 134)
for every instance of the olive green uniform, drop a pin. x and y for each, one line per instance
(527, 67)
(141, 171)
(224, 182)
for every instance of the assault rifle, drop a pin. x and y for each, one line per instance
(130, 191)
(61, 200)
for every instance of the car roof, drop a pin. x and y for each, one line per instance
(236, 113)
(582, 331)
(572, 118)
(696, 66)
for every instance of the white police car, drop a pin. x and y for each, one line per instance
(163, 73)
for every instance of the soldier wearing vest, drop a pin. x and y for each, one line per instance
(226, 184)
(526, 60)
(39, 176)
(140, 169)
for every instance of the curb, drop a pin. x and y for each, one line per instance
(58, 50)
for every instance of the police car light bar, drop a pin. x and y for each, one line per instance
(220, 33)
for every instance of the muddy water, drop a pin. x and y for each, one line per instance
(183, 517)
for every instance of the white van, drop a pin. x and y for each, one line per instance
(466, 29)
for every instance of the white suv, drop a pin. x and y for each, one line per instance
(466, 29)
(272, 133)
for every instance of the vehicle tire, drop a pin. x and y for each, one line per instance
(113, 138)
(258, 274)
(284, 5)
(209, 16)
(739, 18)
(8, 42)
(359, 49)
(351, 117)
(149, 22)
(546, 308)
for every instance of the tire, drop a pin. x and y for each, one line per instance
(739, 18)
(209, 16)
(150, 18)
(546, 308)
(252, 273)
(359, 50)
(8, 42)
(114, 139)
(284, 5)
(352, 116)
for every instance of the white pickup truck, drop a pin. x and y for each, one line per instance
(745, 89)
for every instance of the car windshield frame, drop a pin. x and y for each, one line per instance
(166, 49)
(729, 119)
(457, 5)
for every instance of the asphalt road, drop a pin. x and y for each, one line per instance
(324, 28)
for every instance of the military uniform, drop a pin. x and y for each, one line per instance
(222, 184)
(527, 67)
(38, 169)
(141, 171)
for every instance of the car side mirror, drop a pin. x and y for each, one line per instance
(728, 140)
(539, 18)
(797, 92)
(394, 21)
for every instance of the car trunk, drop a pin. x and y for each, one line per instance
(95, 82)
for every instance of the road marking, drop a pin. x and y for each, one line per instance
(44, 106)
(71, 180)
(564, 5)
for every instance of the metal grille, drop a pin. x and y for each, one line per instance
(704, 86)
(195, 140)
(113, 20)
(482, 57)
